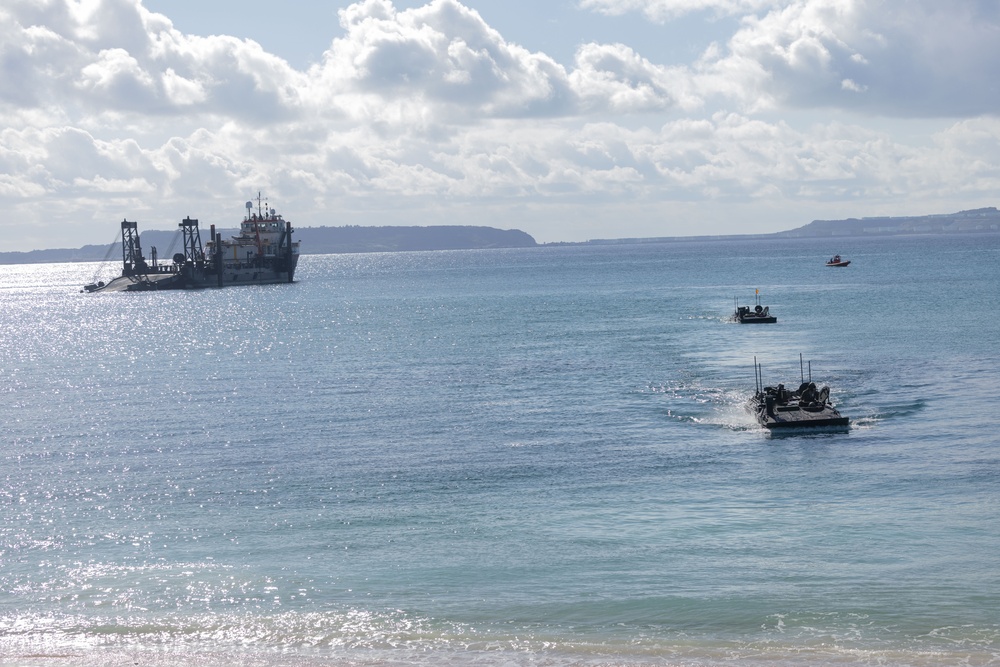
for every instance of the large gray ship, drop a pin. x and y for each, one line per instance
(262, 253)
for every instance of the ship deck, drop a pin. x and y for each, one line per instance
(152, 281)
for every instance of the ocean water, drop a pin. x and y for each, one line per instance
(506, 458)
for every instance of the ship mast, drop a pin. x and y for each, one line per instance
(256, 229)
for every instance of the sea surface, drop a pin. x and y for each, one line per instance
(506, 458)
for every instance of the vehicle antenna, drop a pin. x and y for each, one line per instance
(757, 374)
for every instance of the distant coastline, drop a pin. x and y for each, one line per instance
(315, 241)
(357, 239)
(973, 221)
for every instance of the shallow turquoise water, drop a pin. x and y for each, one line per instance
(530, 457)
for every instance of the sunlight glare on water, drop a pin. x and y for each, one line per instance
(509, 457)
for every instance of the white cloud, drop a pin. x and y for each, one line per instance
(182, 91)
(113, 56)
(423, 113)
(117, 77)
(919, 58)
(613, 77)
(664, 10)
(847, 84)
(395, 66)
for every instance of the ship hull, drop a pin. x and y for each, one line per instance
(793, 416)
(801, 418)
(246, 275)
(754, 319)
(186, 279)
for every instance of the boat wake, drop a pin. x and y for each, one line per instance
(886, 413)
(706, 406)
(900, 410)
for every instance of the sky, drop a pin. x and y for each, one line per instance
(568, 119)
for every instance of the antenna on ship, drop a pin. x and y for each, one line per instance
(808, 366)
(757, 374)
